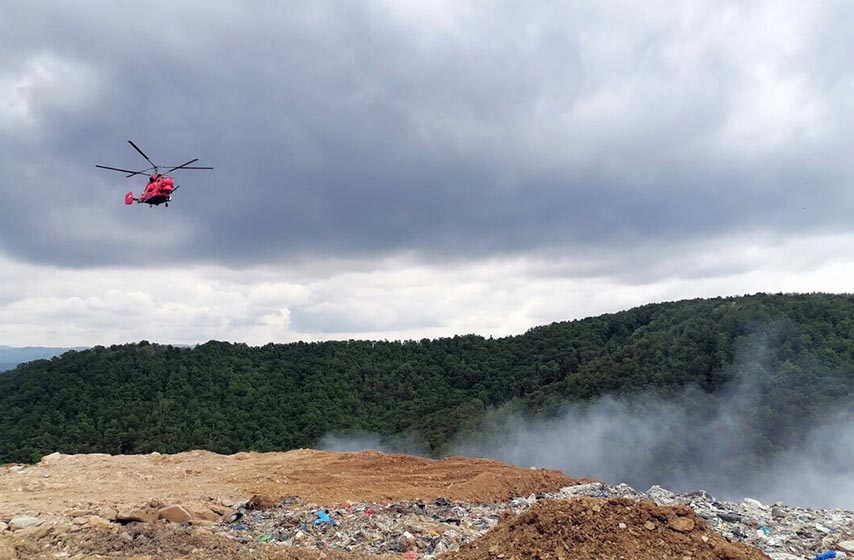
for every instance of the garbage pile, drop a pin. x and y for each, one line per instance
(782, 532)
(414, 528)
(418, 529)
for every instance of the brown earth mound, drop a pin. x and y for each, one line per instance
(63, 483)
(604, 529)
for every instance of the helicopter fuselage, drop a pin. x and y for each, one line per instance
(156, 199)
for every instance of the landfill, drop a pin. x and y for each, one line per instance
(426, 529)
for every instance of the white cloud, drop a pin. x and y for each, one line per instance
(395, 298)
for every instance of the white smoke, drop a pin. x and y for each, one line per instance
(646, 440)
(408, 444)
(744, 440)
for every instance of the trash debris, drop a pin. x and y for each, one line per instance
(828, 554)
(426, 530)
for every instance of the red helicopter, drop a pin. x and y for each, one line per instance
(160, 185)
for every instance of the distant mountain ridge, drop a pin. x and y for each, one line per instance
(11, 356)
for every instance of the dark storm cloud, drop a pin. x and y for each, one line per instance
(364, 128)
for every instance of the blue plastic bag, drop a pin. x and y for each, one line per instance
(323, 517)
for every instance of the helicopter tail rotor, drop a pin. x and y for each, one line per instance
(129, 199)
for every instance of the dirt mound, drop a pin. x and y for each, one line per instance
(63, 483)
(602, 529)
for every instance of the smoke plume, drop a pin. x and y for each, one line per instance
(751, 438)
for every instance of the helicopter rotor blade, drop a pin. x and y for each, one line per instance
(193, 167)
(132, 173)
(181, 166)
(135, 147)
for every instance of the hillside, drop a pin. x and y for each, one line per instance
(139, 398)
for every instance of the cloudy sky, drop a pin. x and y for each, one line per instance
(415, 168)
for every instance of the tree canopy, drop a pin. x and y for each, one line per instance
(225, 397)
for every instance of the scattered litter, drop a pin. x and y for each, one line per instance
(415, 529)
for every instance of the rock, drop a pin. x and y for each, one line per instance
(649, 525)
(846, 546)
(80, 513)
(96, 521)
(219, 509)
(682, 524)
(7, 551)
(53, 458)
(622, 525)
(108, 513)
(3, 526)
(201, 512)
(143, 514)
(175, 514)
(34, 533)
(19, 523)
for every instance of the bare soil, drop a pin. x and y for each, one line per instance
(63, 483)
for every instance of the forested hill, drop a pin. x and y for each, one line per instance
(224, 397)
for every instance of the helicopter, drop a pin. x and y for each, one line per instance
(160, 185)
